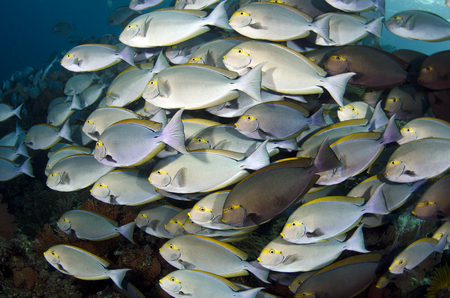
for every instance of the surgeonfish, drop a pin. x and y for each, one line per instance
(153, 218)
(433, 204)
(12, 153)
(143, 4)
(206, 170)
(346, 29)
(277, 120)
(355, 110)
(102, 118)
(62, 111)
(196, 86)
(286, 23)
(91, 94)
(78, 83)
(196, 283)
(194, 4)
(416, 253)
(12, 138)
(94, 57)
(64, 152)
(285, 71)
(358, 5)
(62, 28)
(419, 159)
(356, 272)
(274, 188)
(167, 27)
(434, 71)
(283, 256)
(132, 142)
(88, 225)
(44, 136)
(125, 187)
(418, 24)
(6, 111)
(328, 217)
(82, 264)
(404, 102)
(76, 172)
(119, 15)
(10, 170)
(212, 256)
(424, 127)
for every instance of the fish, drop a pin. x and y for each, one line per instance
(198, 283)
(226, 137)
(424, 127)
(433, 205)
(434, 71)
(212, 256)
(13, 137)
(60, 112)
(47, 69)
(171, 26)
(347, 29)
(109, 3)
(193, 126)
(277, 120)
(94, 57)
(375, 69)
(416, 253)
(82, 264)
(175, 225)
(404, 166)
(358, 5)
(44, 136)
(419, 25)
(285, 71)
(119, 15)
(78, 83)
(313, 8)
(137, 5)
(63, 28)
(356, 272)
(404, 102)
(274, 188)
(64, 152)
(153, 218)
(328, 217)
(10, 170)
(12, 153)
(282, 256)
(6, 111)
(355, 110)
(132, 142)
(75, 39)
(206, 170)
(441, 231)
(125, 187)
(91, 94)
(88, 225)
(76, 172)
(286, 23)
(196, 86)
(129, 85)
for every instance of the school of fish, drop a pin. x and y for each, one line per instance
(243, 109)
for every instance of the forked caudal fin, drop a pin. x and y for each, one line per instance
(173, 133)
(326, 159)
(336, 85)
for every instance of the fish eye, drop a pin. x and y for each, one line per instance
(172, 279)
(426, 203)
(231, 208)
(171, 246)
(272, 251)
(202, 209)
(249, 118)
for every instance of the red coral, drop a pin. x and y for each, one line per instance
(7, 227)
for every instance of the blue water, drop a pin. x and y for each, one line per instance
(27, 39)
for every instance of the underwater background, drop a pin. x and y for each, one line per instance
(29, 210)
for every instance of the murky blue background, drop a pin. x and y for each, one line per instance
(27, 39)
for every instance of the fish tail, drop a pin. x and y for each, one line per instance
(317, 118)
(336, 85)
(160, 117)
(16, 111)
(356, 242)
(440, 246)
(160, 64)
(322, 28)
(218, 17)
(377, 203)
(375, 27)
(258, 159)
(127, 230)
(392, 133)
(26, 168)
(19, 130)
(379, 118)
(117, 276)
(173, 133)
(77, 102)
(127, 55)
(65, 132)
(258, 271)
(252, 293)
(326, 159)
(380, 4)
(22, 149)
(250, 83)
